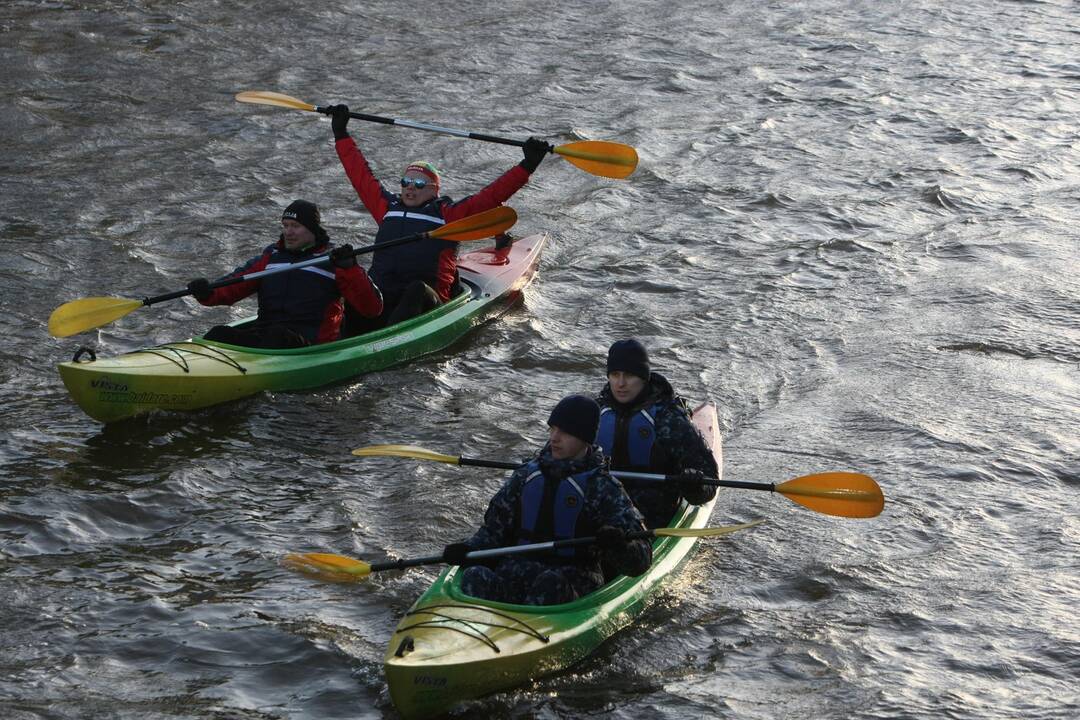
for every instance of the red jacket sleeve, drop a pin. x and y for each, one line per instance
(370, 190)
(236, 292)
(446, 273)
(359, 291)
(490, 197)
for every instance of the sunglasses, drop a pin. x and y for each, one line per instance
(418, 183)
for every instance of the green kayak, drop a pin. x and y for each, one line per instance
(451, 647)
(198, 373)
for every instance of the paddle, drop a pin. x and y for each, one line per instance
(339, 568)
(599, 157)
(844, 494)
(85, 314)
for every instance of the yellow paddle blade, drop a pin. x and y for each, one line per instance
(600, 157)
(846, 494)
(84, 314)
(478, 226)
(405, 451)
(326, 566)
(703, 532)
(263, 97)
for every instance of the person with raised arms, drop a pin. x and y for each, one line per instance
(565, 492)
(646, 427)
(301, 307)
(417, 277)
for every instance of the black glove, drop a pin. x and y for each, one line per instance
(340, 119)
(454, 553)
(534, 151)
(343, 257)
(610, 538)
(200, 288)
(691, 476)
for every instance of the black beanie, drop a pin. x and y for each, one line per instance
(577, 415)
(307, 214)
(629, 356)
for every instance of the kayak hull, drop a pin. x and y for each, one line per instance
(451, 648)
(198, 373)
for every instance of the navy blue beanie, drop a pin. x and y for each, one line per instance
(629, 356)
(577, 415)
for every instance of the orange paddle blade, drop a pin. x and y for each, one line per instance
(263, 97)
(478, 226)
(405, 451)
(601, 157)
(84, 314)
(846, 494)
(327, 566)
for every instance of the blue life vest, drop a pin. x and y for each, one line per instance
(640, 437)
(556, 519)
(299, 298)
(393, 268)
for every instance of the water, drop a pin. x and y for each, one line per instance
(853, 229)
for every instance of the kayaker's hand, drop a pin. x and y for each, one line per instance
(339, 120)
(691, 476)
(200, 289)
(611, 538)
(343, 257)
(454, 553)
(534, 151)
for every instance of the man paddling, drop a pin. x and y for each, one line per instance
(417, 277)
(646, 427)
(301, 307)
(565, 492)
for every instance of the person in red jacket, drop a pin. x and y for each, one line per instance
(298, 307)
(417, 276)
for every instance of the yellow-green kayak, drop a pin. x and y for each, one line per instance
(198, 373)
(451, 647)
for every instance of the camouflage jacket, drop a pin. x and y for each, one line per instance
(606, 503)
(678, 446)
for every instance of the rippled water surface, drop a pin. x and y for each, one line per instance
(854, 229)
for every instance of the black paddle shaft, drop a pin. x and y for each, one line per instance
(425, 126)
(475, 462)
(636, 477)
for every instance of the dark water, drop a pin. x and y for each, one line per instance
(853, 228)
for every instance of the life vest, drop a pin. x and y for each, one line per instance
(555, 517)
(639, 436)
(298, 298)
(393, 268)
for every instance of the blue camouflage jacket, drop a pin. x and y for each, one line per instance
(678, 446)
(606, 503)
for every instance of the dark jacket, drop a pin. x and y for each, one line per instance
(606, 504)
(676, 446)
(307, 300)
